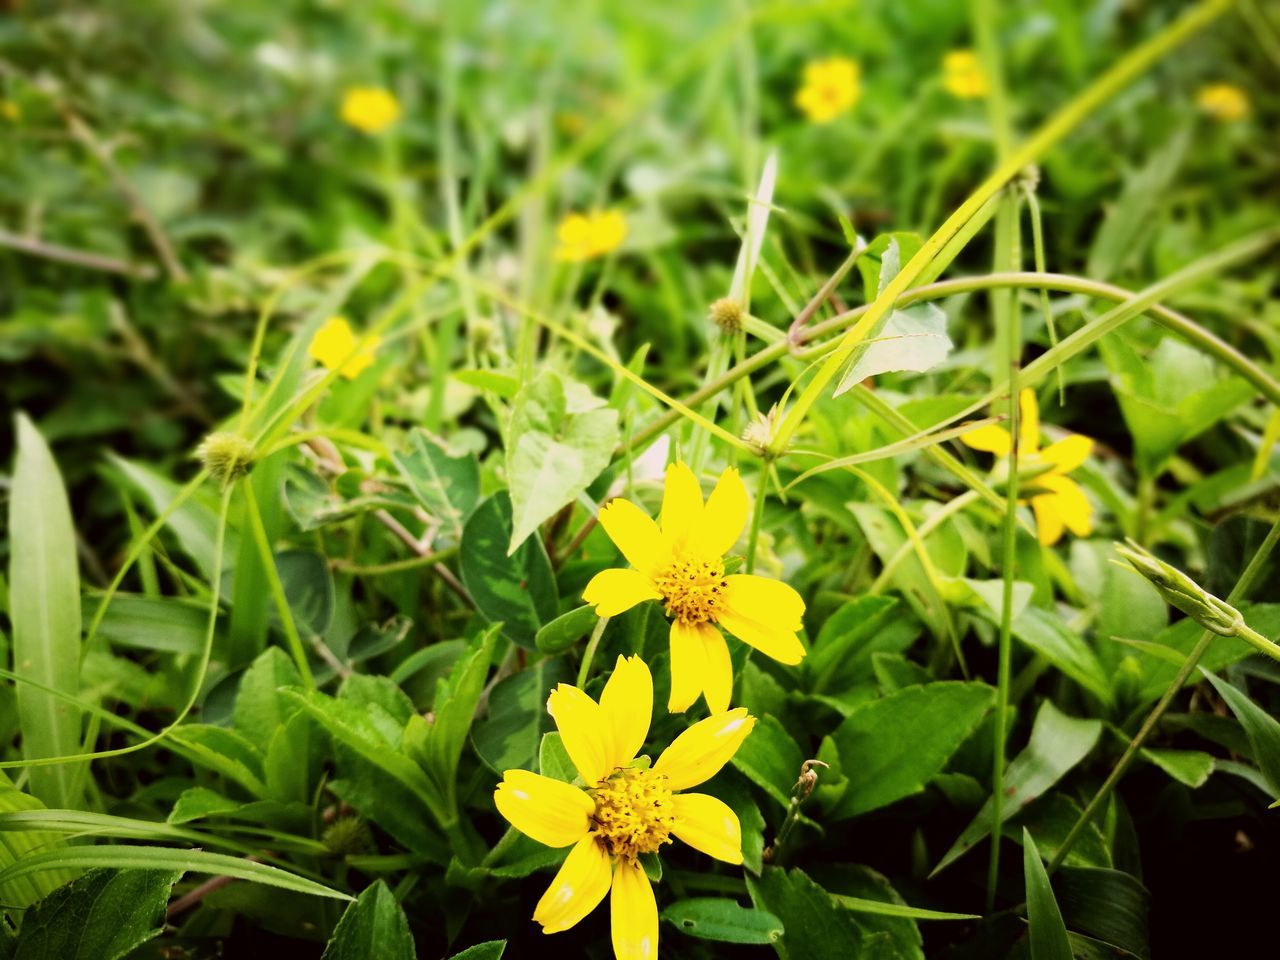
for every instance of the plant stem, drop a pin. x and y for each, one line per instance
(1242, 587)
(757, 512)
(584, 671)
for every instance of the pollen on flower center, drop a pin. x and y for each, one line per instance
(634, 813)
(693, 589)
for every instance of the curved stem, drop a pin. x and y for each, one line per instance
(757, 512)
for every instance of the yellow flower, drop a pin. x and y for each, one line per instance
(831, 87)
(1056, 499)
(335, 345)
(681, 563)
(584, 236)
(1223, 101)
(626, 808)
(10, 110)
(963, 76)
(370, 109)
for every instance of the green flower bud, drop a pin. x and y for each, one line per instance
(347, 835)
(1182, 592)
(227, 456)
(726, 313)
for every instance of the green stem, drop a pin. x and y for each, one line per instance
(1054, 130)
(265, 553)
(1241, 589)
(584, 671)
(1257, 640)
(757, 512)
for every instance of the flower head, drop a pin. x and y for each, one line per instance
(10, 110)
(585, 236)
(370, 109)
(1056, 499)
(336, 348)
(624, 809)
(681, 563)
(963, 76)
(831, 87)
(1223, 101)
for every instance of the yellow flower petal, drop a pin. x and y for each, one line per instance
(579, 886)
(709, 825)
(549, 811)
(698, 754)
(1068, 453)
(717, 684)
(1049, 525)
(1028, 423)
(988, 439)
(609, 229)
(627, 704)
(582, 727)
(615, 590)
(335, 346)
(724, 516)
(370, 109)
(681, 503)
(1070, 503)
(688, 664)
(633, 914)
(765, 614)
(633, 532)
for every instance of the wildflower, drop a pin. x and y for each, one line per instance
(585, 236)
(1223, 101)
(370, 109)
(831, 87)
(335, 345)
(1056, 499)
(10, 110)
(626, 808)
(681, 563)
(963, 76)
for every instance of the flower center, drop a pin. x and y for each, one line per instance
(693, 589)
(634, 813)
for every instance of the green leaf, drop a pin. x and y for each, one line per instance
(1058, 742)
(770, 759)
(566, 630)
(127, 856)
(1261, 728)
(815, 926)
(884, 909)
(557, 444)
(1189, 767)
(518, 591)
(719, 918)
(1046, 634)
(1048, 934)
(102, 915)
(260, 708)
(893, 746)
(196, 803)
(18, 844)
(841, 654)
(489, 950)
(553, 759)
(511, 733)
(44, 608)
(1108, 905)
(224, 752)
(447, 484)
(166, 624)
(1178, 639)
(373, 926)
(308, 588)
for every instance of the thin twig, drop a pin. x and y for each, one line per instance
(77, 258)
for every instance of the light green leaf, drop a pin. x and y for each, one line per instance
(1189, 767)
(18, 844)
(1058, 742)
(553, 759)
(884, 909)
(446, 483)
(373, 926)
(565, 630)
(166, 624)
(1048, 932)
(511, 733)
(44, 607)
(553, 452)
(722, 919)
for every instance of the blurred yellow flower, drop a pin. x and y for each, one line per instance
(10, 111)
(584, 236)
(335, 345)
(681, 563)
(831, 87)
(1223, 101)
(625, 809)
(370, 109)
(1056, 499)
(963, 76)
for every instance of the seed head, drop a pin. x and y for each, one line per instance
(726, 313)
(227, 456)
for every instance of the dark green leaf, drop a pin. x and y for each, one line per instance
(1048, 933)
(447, 484)
(719, 918)
(770, 759)
(511, 732)
(373, 926)
(1261, 728)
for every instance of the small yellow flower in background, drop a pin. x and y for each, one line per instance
(370, 109)
(963, 76)
(831, 87)
(1056, 499)
(335, 345)
(681, 563)
(585, 236)
(1223, 101)
(625, 809)
(10, 111)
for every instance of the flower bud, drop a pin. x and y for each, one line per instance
(760, 432)
(726, 313)
(347, 835)
(227, 456)
(1182, 592)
